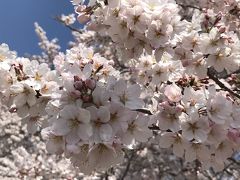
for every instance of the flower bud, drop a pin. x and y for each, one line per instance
(80, 8)
(90, 83)
(76, 78)
(78, 85)
(75, 94)
(83, 18)
(86, 98)
(164, 105)
(222, 29)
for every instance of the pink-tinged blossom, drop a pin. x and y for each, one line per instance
(137, 129)
(55, 144)
(235, 122)
(234, 136)
(103, 156)
(119, 117)
(195, 127)
(174, 140)
(192, 99)
(224, 150)
(23, 94)
(159, 73)
(169, 118)
(219, 109)
(127, 95)
(173, 93)
(74, 123)
(102, 130)
(214, 162)
(217, 133)
(196, 151)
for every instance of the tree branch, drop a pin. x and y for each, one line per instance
(154, 127)
(189, 6)
(229, 75)
(144, 111)
(212, 76)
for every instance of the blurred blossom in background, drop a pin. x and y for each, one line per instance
(17, 19)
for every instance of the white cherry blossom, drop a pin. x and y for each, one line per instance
(102, 130)
(74, 123)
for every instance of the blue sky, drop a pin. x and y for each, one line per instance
(17, 19)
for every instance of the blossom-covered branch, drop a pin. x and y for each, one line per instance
(89, 110)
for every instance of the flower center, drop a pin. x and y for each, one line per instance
(159, 72)
(74, 123)
(136, 19)
(123, 98)
(44, 89)
(131, 127)
(114, 117)
(57, 139)
(193, 127)
(38, 77)
(2, 58)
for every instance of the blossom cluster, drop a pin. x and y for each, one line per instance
(194, 118)
(229, 14)
(91, 112)
(26, 87)
(50, 47)
(138, 26)
(203, 127)
(172, 58)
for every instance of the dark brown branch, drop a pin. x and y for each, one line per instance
(229, 75)
(213, 76)
(189, 6)
(99, 69)
(234, 161)
(144, 111)
(155, 128)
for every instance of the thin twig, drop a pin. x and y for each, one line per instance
(68, 26)
(229, 75)
(128, 166)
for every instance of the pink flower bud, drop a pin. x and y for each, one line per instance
(83, 18)
(86, 98)
(179, 108)
(80, 8)
(92, 26)
(185, 63)
(234, 135)
(75, 94)
(90, 83)
(78, 85)
(76, 78)
(164, 105)
(222, 29)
